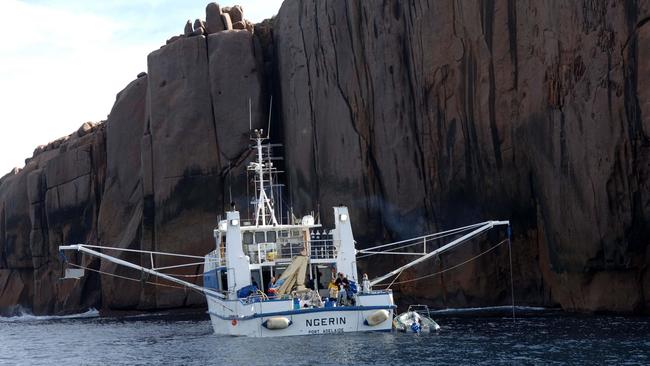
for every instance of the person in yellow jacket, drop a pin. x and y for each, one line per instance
(334, 289)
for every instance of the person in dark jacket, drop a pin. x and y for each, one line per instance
(342, 283)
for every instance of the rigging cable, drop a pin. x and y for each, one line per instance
(421, 242)
(125, 278)
(448, 269)
(395, 279)
(512, 285)
(430, 236)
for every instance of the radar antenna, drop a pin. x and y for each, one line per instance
(264, 211)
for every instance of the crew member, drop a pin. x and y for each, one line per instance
(272, 291)
(365, 284)
(342, 284)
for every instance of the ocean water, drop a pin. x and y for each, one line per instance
(478, 337)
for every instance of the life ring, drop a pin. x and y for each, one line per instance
(234, 322)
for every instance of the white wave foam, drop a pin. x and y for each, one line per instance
(489, 309)
(24, 316)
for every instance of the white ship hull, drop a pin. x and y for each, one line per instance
(252, 319)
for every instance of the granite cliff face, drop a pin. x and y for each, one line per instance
(441, 113)
(151, 177)
(418, 115)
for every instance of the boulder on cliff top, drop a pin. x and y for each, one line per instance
(227, 23)
(187, 31)
(213, 20)
(85, 129)
(199, 24)
(236, 13)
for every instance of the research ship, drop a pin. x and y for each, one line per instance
(276, 275)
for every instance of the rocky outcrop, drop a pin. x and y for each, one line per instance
(418, 115)
(54, 199)
(427, 115)
(154, 176)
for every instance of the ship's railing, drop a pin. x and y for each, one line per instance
(219, 255)
(285, 251)
(323, 249)
(319, 245)
(213, 257)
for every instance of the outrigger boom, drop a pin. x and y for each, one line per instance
(84, 248)
(482, 227)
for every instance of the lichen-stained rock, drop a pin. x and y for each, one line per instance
(53, 200)
(232, 88)
(460, 112)
(120, 215)
(185, 159)
(75, 182)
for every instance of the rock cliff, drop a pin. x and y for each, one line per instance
(153, 176)
(418, 115)
(432, 114)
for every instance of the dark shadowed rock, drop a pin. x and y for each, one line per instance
(184, 190)
(53, 200)
(239, 25)
(14, 289)
(120, 215)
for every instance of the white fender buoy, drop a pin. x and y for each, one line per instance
(279, 322)
(377, 317)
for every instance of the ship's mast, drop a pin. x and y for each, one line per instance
(264, 212)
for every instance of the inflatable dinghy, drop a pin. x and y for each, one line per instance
(416, 319)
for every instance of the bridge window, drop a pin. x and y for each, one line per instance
(259, 237)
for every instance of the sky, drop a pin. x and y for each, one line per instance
(62, 62)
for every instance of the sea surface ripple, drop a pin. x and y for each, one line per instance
(538, 338)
